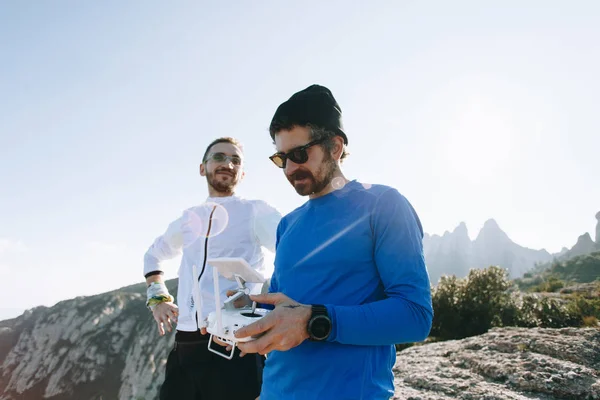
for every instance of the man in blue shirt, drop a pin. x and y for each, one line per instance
(350, 278)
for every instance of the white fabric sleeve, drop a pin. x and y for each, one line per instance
(165, 247)
(266, 219)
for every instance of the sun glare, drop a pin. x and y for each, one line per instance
(479, 143)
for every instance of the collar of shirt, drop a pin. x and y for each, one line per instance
(221, 200)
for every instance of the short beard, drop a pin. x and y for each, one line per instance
(220, 186)
(326, 174)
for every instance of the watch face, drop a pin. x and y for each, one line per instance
(320, 327)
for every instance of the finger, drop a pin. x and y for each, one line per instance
(268, 298)
(267, 349)
(256, 328)
(245, 348)
(161, 330)
(173, 315)
(242, 302)
(230, 293)
(156, 314)
(203, 331)
(166, 322)
(255, 346)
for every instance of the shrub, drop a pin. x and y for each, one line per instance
(472, 305)
(469, 306)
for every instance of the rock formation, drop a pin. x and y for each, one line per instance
(506, 363)
(455, 254)
(584, 245)
(97, 347)
(598, 229)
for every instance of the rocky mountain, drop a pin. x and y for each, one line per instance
(584, 245)
(97, 347)
(598, 228)
(106, 347)
(455, 254)
(503, 364)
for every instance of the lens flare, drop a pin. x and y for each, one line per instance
(338, 183)
(197, 223)
(220, 218)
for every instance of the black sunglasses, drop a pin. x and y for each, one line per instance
(299, 155)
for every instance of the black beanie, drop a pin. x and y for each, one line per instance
(314, 106)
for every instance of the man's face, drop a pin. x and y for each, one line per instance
(223, 175)
(316, 173)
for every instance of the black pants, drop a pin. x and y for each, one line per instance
(195, 373)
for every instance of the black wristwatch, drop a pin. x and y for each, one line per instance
(319, 324)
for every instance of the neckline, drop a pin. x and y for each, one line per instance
(333, 194)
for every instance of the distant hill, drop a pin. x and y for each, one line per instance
(579, 269)
(584, 245)
(455, 254)
(576, 270)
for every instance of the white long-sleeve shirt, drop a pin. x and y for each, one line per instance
(239, 228)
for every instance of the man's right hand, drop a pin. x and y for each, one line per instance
(242, 301)
(165, 314)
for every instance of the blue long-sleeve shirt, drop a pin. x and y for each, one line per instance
(359, 252)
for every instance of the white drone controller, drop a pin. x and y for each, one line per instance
(225, 321)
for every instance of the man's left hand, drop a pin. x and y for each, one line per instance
(283, 328)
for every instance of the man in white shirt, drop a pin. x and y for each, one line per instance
(224, 226)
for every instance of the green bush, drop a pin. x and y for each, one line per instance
(585, 268)
(472, 305)
(552, 284)
(469, 306)
(584, 306)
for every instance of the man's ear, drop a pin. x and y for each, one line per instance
(338, 147)
(202, 170)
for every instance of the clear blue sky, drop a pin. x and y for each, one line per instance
(471, 110)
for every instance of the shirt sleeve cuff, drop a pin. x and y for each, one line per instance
(334, 326)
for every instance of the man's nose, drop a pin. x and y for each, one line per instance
(290, 167)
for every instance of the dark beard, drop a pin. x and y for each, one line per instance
(220, 186)
(326, 172)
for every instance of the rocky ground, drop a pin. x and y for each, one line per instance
(507, 363)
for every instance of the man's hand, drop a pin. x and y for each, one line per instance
(239, 303)
(165, 314)
(242, 301)
(282, 329)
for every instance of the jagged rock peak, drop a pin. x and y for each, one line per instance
(491, 231)
(461, 229)
(491, 224)
(585, 238)
(598, 228)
